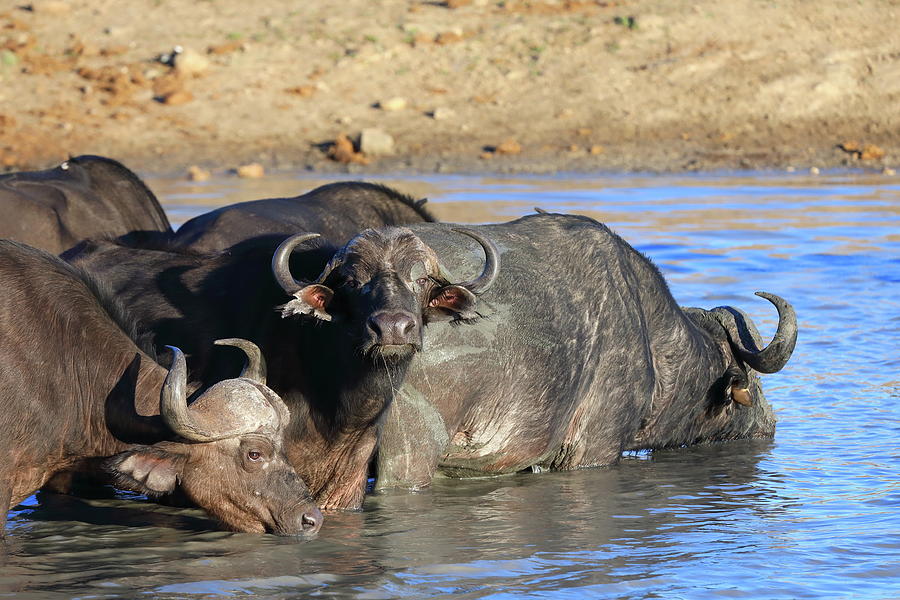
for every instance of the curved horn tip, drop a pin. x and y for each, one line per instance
(281, 268)
(784, 307)
(236, 342)
(255, 367)
(481, 283)
(770, 297)
(177, 354)
(173, 401)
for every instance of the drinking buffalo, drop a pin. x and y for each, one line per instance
(76, 388)
(83, 197)
(569, 353)
(337, 210)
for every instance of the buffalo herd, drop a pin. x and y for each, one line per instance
(277, 357)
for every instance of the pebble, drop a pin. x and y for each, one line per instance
(251, 171)
(393, 104)
(375, 142)
(196, 173)
(814, 170)
(888, 171)
(448, 37)
(190, 63)
(177, 98)
(343, 152)
(509, 147)
(51, 7)
(442, 113)
(304, 91)
(226, 48)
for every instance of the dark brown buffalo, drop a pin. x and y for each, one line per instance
(85, 196)
(568, 353)
(337, 210)
(74, 387)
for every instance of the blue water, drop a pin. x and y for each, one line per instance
(814, 513)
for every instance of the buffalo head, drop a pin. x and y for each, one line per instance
(741, 346)
(385, 285)
(227, 457)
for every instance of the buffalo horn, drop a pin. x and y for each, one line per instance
(773, 357)
(281, 262)
(491, 263)
(173, 402)
(255, 368)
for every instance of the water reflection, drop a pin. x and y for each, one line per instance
(812, 514)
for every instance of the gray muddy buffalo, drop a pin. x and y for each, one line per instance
(75, 388)
(85, 196)
(337, 210)
(567, 349)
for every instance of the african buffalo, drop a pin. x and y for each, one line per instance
(75, 388)
(569, 353)
(85, 196)
(337, 210)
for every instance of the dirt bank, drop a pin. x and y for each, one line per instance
(464, 85)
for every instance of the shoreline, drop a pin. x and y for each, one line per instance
(468, 86)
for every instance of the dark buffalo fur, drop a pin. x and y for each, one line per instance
(85, 196)
(337, 210)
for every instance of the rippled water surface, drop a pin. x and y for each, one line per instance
(814, 513)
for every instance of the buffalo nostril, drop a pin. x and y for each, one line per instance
(311, 520)
(374, 325)
(405, 324)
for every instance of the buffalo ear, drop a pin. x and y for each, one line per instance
(741, 395)
(737, 386)
(451, 302)
(309, 300)
(148, 470)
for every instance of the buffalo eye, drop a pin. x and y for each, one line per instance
(352, 283)
(422, 281)
(254, 455)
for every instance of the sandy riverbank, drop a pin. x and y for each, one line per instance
(459, 86)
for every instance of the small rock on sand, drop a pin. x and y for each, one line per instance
(393, 104)
(190, 63)
(375, 142)
(196, 173)
(251, 171)
(343, 151)
(51, 7)
(177, 98)
(442, 113)
(509, 147)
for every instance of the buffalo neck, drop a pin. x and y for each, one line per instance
(128, 407)
(337, 402)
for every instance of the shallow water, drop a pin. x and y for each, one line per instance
(814, 513)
